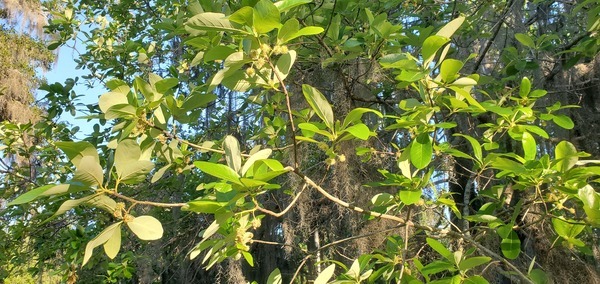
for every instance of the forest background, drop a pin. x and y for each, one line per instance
(301, 141)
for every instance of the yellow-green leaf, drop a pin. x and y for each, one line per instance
(102, 238)
(146, 228)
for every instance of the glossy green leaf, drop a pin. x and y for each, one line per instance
(525, 87)
(205, 206)
(211, 22)
(409, 197)
(164, 85)
(219, 52)
(275, 277)
(356, 114)
(146, 89)
(31, 195)
(233, 155)
(538, 276)
(284, 65)
(477, 152)
(439, 247)
(476, 279)
(197, 100)
(511, 245)
(563, 121)
(566, 229)
(112, 99)
(260, 155)
(360, 131)
(450, 28)
(103, 202)
(449, 69)
(473, 262)
(431, 46)
(286, 5)
(130, 169)
(525, 40)
(289, 28)
(219, 171)
(566, 156)
(70, 204)
(89, 171)
(102, 238)
(146, 228)
(77, 150)
(325, 275)
(529, 146)
(113, 245)
(306, 31)
(421, 150)
(243, 16)
(266, 16)
(319, 104)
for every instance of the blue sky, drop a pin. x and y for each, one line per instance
(66, 68)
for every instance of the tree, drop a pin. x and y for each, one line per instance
(335, 141)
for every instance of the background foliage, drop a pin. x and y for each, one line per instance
(296, 141)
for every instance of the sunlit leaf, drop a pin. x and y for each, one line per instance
(232, 153)
(99, 240)
(219, 171)
(325, 275)
(319, 104)
(266, 16)
(421, 150)
(146, 228)
(275, 277)
(113, 245)
(511, 245)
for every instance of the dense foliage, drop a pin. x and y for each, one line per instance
(326, 141)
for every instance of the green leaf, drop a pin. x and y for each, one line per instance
(242, 16)
(89, 171)
(356, 114)
(566, 156)
(319, 104)
(219, 171)
(565, 229)
(205, 206)
(146, 228)
(449, 69)
(210, 22)
(476, 279)
(421, 151)
(360, 131)
(563, 121)
(450, 28)
(529, 146)
(525, 87)
(70, 204)
(475, 145)
(275, 277)
(146, 89)
(511, 245)
(431, 46)
(113, 245)
(473, 262)
(130, 169)
(310, 30)
(166, 84)
(219, 52)
(102, 238)
(286, 5)
(112, 99)
(31, 195)
(260, 155)
(103, 202)
(196, 100)
(288, 30)
(232, 153)
(266, 16)
(325, 275)
(284, 65)
(538, 276)
(77, 150)
(409, 197)
(440, 248)
(525, 40)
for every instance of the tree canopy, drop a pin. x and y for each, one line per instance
(300, 141)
